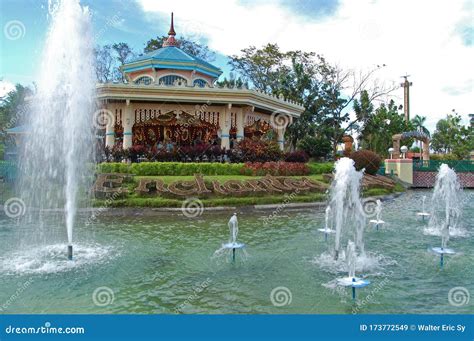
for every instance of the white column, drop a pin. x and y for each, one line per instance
(127, 121)
(281, 137)
(110, 127)
(240, 125)
(225, 124)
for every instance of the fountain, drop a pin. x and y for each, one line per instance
(346, 204)
(351, 280)
(327, 230)
(423, 213)
(378, 221)
(233, 244)
(446, 210)
(55, 164)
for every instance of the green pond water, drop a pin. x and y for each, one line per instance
(164, 265)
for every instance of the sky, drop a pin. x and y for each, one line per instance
(432, 41)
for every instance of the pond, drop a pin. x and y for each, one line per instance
(165, 265)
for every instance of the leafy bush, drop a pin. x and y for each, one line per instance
(171, 168)
(443, 157)
(298, 156)
(249, 150)
(321, 168)
(280, 168)
(315, 146)
(366, 159)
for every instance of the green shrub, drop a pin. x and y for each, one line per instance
(315, 146)
(172, 168)
(443, 157)
(366, 159)
(320, 168)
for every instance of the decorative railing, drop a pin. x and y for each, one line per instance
(460, 166)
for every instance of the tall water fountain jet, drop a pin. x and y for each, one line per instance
(445, 208)
(56, 154)
(345, 203)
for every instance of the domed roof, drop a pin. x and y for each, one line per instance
(170, 56)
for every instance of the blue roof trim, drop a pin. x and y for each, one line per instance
(175, 67)
(173, 54)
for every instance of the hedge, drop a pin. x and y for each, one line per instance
(180, 168)
(320, 168)
(171, 168)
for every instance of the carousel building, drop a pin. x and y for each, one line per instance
(170, 96)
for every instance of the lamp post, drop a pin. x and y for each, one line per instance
(404, 149)
(390, 150)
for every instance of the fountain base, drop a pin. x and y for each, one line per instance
(353, 282)
(69, 252)
(377, 223)
(233, 246)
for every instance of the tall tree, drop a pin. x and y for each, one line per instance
(451, 136)
(188, 46)
(377, 132)
(419, 124)
(104, 63)
(123, 53)
(326, 91)
(340, 90)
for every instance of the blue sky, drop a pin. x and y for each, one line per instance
(431, 40)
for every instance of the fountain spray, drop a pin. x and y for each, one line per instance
(445, 208)
(348, 213)
(57, 152)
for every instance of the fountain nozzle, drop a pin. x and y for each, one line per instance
(69, 252)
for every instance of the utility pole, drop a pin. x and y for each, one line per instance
(406, 98)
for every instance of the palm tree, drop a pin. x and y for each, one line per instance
(419, 124)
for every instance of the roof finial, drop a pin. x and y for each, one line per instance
(171, 31)
(171, 41)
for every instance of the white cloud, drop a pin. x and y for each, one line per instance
(420, 38)
(5, 88)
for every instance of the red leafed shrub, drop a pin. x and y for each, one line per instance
(249, 150)
(298, 156)
(366, 159)
(280, 168)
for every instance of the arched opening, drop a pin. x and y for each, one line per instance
(172, 80)
(144, 80)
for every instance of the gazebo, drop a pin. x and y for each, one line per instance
(170, 96)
